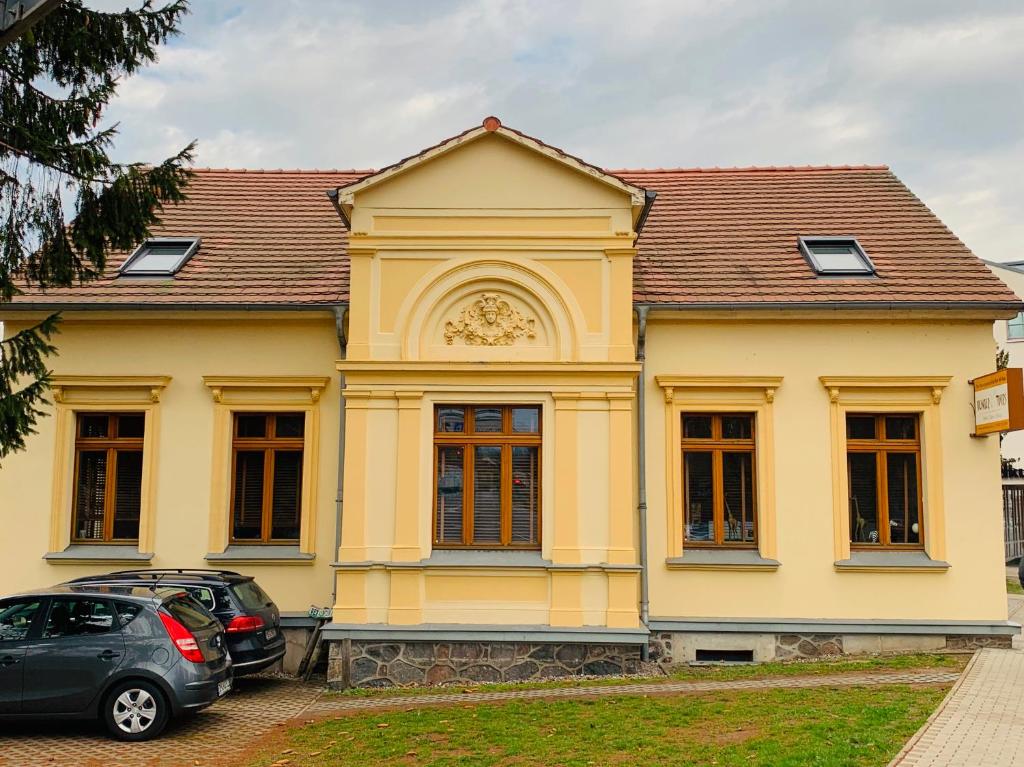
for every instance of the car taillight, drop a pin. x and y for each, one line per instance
(183, 639)
(245, 623)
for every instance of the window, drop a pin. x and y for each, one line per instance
(487, 476)
(1015, 327)
(160, 257)
(73, 616)
(266, 496)
(108, 477)
(883, 458)
(126, 612)
(718, 480)
(836, 256)
(188, 612)
(16, 619)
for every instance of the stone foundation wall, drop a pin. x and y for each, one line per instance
(355, 663)
(672, 649)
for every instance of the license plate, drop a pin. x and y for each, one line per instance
(271, 634)
(223, 688)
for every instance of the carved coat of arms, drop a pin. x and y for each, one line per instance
(489, 321)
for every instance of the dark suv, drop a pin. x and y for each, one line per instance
(132, 657)
(251, 620)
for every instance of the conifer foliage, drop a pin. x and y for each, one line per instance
(63, 202)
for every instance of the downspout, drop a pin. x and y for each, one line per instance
(340, 315)
(641, 463)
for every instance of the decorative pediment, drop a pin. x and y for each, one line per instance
(489, 321)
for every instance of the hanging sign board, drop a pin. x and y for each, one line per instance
(998, 402)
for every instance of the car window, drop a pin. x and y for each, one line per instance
(202, 595)
(189, 613)
(74, 616)
(251, 595)
(16, 619)
(126, 612)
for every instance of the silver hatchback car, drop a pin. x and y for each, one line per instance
(131, 656)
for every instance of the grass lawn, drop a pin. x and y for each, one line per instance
(852, 726)
(1013, 586)
(846, 665)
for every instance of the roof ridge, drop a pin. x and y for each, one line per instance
(609, 171)
(754, 169)
(304, 171)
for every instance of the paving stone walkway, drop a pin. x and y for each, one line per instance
(328, 704)
(981, 721)
(221, 735)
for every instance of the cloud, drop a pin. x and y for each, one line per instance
(931, 87)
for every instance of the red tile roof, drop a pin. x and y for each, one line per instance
(273, 238)
(730, 236)
(268, 238)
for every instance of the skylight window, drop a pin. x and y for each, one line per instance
(836, 256)
(160, 257)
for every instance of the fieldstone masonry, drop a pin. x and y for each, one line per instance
(673, 649)
(355, 663)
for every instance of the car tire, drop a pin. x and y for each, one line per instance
(136, 711)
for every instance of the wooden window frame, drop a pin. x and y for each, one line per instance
(112, 444)
(718, 446)
(269, 445)
(468, 440)
(881, 446)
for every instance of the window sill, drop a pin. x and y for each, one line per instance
(722, 559)
(483, 558)
(77, 553)
(262, 555)
(891, 562)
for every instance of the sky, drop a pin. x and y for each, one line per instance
(932, 88)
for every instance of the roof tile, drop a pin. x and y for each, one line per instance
(714, 235)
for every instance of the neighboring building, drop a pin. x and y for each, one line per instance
(1009, 335)
(464, 332)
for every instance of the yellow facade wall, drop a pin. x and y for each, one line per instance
(490, 217)
(807, 584)
(184, 348)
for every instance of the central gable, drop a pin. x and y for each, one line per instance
(491, 246)
(487, 172)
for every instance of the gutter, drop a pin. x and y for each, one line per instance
(97, 306)
(641, 462)
(649, 197)
(332, 195)
(836, 305)
(339, 501)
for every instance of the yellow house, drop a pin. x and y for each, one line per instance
(511, 415)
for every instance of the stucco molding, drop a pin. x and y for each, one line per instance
(832, 626)
(838, 385)
(920, 395)
(263, 394)
(558, 322)
(347, 194)
(75, 394)
(720, 393)
(766, 384)
(219, 386)
(88, 387)
(489, 321)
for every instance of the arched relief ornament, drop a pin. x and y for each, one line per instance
(489, 321)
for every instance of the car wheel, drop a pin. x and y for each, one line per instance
(135, 711)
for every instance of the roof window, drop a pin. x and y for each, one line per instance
(836, 256)
(161, 257)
